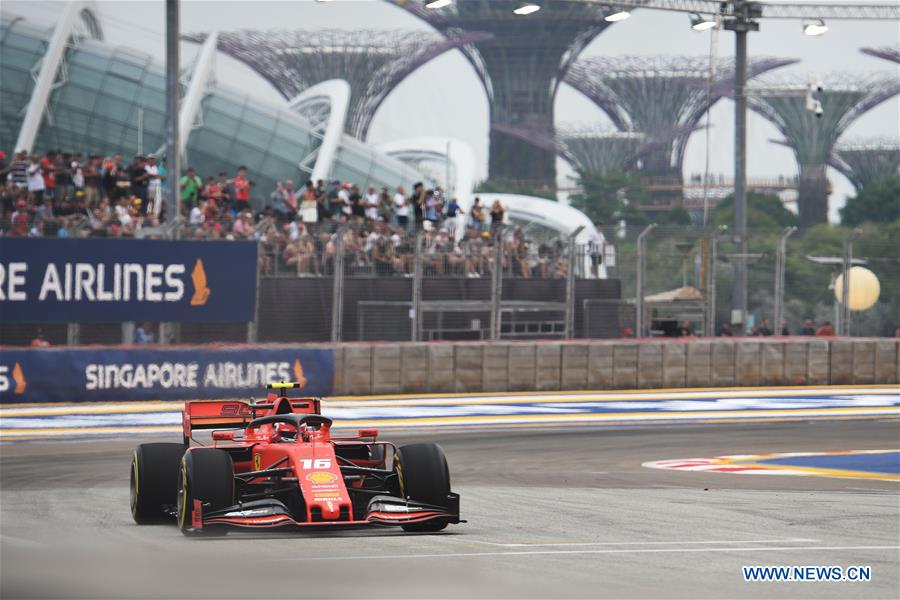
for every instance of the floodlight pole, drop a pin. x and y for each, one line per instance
(847, 264)
(173, 170)
(780, 267)
(741, 23)
(639, 287)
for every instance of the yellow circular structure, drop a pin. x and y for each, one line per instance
(864, 288)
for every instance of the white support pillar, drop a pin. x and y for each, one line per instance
(43, 85)
(336, 92)
(201, 75)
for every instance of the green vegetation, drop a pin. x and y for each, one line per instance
(876, 203)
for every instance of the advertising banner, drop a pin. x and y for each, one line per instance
(106, 374)
(109, 280)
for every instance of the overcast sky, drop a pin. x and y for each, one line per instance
(445, 97)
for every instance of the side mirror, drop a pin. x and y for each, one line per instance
(223, 436)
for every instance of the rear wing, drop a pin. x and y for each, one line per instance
(215, 414)
(237, 414)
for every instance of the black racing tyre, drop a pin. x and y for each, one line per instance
(206, 475)
(423, 475)
(154, 480)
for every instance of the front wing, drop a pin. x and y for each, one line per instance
(271, 513)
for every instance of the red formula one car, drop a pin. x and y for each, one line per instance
(276, 464)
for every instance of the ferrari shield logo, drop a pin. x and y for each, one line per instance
(257, 462)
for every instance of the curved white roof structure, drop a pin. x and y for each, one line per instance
(416, 150)
(547, 213)
(326, 105)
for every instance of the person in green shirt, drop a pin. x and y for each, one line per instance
(190, 186)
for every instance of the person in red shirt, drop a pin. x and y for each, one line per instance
(39, 341)
(241, 190)
(20, 220)
(48, 168)
(826, 330)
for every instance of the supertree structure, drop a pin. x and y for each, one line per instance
(663, 96)
(521, 68)
(593, 151)
(886, 52)
(865, 161)
(812, 135)
(372, 62)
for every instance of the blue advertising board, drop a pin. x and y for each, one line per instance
(112, 374)
(109, 280)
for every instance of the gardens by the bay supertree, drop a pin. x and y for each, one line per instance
(811, 134)
(664, 97)
(521, 67)
(373, 62)
(867, 161)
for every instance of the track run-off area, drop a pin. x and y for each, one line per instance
(665, 493)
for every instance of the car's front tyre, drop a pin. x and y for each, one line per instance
(206, 475)
(423, 475)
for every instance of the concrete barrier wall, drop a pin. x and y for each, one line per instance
(397, 368)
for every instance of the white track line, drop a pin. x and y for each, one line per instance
(669, 543)
(370, 557)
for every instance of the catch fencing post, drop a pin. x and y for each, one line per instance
(73, 332)
(780, 264)
(844, 328)
(713, 259)
(337, 297)
(570, 286)
(253, 326)
(496, 284)
(639, 287)
(416, 316)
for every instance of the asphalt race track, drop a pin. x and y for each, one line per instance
(566, 512)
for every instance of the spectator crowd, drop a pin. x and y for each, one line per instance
(300, 228)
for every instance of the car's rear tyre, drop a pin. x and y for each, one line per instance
(206, 475)
(423, 475)
(154, 480)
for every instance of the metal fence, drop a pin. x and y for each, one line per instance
(791, 277)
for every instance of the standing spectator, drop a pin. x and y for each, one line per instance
(154, 184)
(385, 210)
(764, 328)
(143, 334)
(198, 216)
(344, 200)
(826, 330)
(18, 170)
(685, 329)
(454, 215)
(784, 328)
(277, 201)
(36, 185)
(496, 217)
(227, 193)
(139, 179)
(48, 169)
(290, 198)
(357, 205)
(190, 185)
(478, 215)
(241, 190)
(243, 225)
(418, 202)
(213, 194)
(597, 246)
(92, 181)
(63, 172)
(39, 340)
(372, 202)
(401, 208)
(309, 207)
(432, 207)
(77, 168)
(726, 331)
(808, 328)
